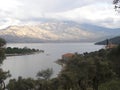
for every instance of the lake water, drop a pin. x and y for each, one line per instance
(29, 65)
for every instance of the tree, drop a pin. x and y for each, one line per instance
(88, 70)
(111, 85)
(3, 74)
(2, 42)
(117, 4)
(2, 50)
(45, 74)
(44, 78)
(21, 84)
(114, 57)
(103, 73)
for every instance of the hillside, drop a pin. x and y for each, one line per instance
(46, 32)
(115, 40)
(56, 31)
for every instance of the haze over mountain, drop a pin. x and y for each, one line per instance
(57, 31)
(58, 20)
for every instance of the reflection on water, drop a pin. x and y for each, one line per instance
(29, 65)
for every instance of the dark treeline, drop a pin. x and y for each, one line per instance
(99, 70)
(3, 74)
(115, 40)
(21, 51)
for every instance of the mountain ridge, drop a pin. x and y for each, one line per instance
(114, 40)
(55, 31)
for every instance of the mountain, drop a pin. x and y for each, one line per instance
(56, 31)
(110, 32)
(115, 40)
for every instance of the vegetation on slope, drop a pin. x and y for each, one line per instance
(3, 74)
(115, 40)
(97, 70)
(21, 51)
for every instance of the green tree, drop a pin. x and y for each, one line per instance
(21, 84)
(54, 83)
(114, 57)
(44, 79)
(88, 70)
(74, 74)
(117, 4)
(3, 74)
(111, 85)
(45, 74)
(103, 73)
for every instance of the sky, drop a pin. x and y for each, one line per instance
(98, 12)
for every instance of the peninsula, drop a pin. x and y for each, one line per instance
(15, 51)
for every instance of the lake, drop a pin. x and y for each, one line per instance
(29, 65)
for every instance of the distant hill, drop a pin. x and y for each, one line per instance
(57, 31)
(115, 40)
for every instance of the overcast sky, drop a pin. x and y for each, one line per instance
(99, 12)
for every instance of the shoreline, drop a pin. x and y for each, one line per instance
(10, 55)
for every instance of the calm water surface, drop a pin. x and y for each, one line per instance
(29, 65)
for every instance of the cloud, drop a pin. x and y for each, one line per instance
(53, 5)
(8, 5)
(98, 12)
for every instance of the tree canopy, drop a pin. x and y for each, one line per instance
(3, 74)
(45, 74)
(98, 70)
(117, 4)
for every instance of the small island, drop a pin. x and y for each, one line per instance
(15, 51)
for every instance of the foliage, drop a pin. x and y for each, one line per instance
(24, 50)
(87, 70)
(114, 40)
(2, 54)
(112, 85)
(21, 84)
(45, 74)
(2, 50)
(114, 57)
(2, 42)
(117, 4)
(43, 83)
(3, 74)
(98, 70)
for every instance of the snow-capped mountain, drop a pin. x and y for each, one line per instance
(50, 32)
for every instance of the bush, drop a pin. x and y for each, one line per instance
(112, 85)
